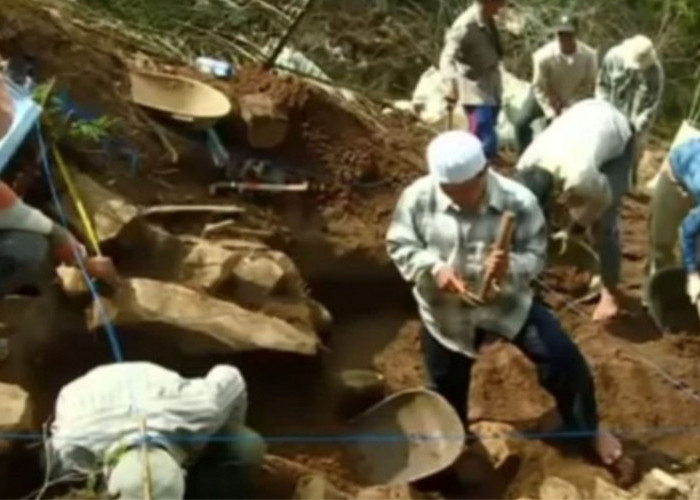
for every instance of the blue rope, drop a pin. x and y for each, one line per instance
(349, 438)
(109, 326)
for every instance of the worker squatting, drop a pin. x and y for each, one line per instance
(120, 420)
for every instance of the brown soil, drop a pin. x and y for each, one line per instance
(359, 163)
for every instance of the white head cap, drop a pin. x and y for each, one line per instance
(128, 479)
(639, 52)
(455, 157)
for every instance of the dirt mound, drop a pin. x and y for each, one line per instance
(346, 148)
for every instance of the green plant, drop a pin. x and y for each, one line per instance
(61, 126)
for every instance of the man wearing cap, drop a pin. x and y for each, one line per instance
(632, 79)
(564, 72)
(584, 158)
(675, 203)
(441, 239)
(142, 425)
(470, 61)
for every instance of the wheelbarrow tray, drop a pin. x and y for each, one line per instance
(668, 303)
(408, 436)
(183, 99)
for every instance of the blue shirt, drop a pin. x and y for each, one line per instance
(685, 163)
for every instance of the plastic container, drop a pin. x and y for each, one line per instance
(214, 67)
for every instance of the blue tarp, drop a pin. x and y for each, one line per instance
(26, 114)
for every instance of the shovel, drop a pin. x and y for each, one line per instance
(408, 436)
(668, 303)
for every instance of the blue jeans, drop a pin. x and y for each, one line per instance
(561, 370)
(619, 172)
(227, 469)
(25, 261)
(482, 123)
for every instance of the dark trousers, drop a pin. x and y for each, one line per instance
(228, 468)
(24, 261)
(561, 370)
(529, 112)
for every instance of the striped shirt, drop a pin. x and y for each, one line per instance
(428, 230)
(636, 93)
(101, 412)
(18, 216)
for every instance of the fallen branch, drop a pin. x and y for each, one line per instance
(176, 209)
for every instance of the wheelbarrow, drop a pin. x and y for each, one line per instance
(667, 301)
(180, 98)
(408, 436)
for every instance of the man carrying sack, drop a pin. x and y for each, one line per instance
(441, 241)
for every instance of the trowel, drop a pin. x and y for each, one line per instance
(668, 302)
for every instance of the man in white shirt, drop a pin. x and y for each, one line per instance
(564, 72)
(586, 155)
(134, 421)
(441, 240)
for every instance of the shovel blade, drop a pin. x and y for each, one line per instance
(668, 303)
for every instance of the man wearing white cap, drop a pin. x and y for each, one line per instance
(632, 79)
(144, 425)
(441, 238)
(586, 156)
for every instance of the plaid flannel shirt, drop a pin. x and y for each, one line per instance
(636, 93)
(100, 412)
(429, 230)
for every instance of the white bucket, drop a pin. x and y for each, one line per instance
(686, 131)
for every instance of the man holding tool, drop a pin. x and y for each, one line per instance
(441, 241)
(142, 425)
(470, 62)
(565, 71)
(586, 157)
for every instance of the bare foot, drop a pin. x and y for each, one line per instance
(608, 447)
(608, 307)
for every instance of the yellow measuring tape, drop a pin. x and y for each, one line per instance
(75, 195)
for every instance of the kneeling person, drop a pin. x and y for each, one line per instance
(440, 239)
(131, 418)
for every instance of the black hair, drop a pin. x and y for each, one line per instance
(541, 183)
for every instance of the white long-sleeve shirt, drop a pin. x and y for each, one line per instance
(101, 411)
(428, 229)
(575, 147)
(563, 79)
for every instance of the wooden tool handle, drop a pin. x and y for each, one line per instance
(503, 241)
